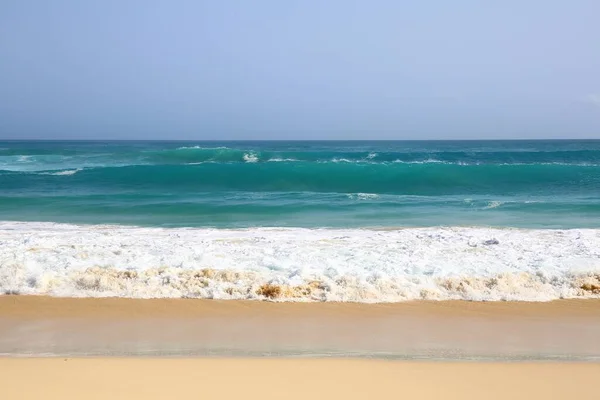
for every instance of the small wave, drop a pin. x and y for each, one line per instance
(281, 160)
(341, 160)
(203, 148)
(68, 172)
(362, 196)
(574, 164)
(372, 156)
(493, 204)
(428, 161)
(533, 164)
(250, 157)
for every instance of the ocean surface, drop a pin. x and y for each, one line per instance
(530, 184)
(303, 220)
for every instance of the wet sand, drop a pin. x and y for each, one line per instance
(450, 330)
(56, 307)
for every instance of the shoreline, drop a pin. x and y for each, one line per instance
(564, 330)
(34, 306)
(375, 228)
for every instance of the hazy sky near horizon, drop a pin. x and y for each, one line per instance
(299, 69)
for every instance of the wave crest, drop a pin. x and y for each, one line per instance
(250, 157)
(67, 172)
(362, 196)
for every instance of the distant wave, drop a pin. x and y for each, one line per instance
(362, 196)
(343, 177)
(203, 148)
(44, 159)
(493, 204)
(427, 161)
(250, 157)
(281, 160)
(342, 160)
(68, 172)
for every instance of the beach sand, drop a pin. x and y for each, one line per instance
(177, 348)
(134, 378)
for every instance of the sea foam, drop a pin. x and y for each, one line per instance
(67, 172)
(362, 196)
(293, 264)
(250, 157)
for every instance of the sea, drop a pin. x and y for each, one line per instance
(365, 221)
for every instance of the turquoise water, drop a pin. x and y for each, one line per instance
(534, 184)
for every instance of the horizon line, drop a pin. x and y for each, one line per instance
(293, 140)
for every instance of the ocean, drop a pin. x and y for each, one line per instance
(301, 220)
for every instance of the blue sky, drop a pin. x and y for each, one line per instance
(271, 69)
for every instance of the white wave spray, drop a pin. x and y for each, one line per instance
(250, 157)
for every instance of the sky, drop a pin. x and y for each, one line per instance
(299, 69)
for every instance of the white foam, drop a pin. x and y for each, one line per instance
(281, 160)
(339, 160)
(68, 172)
(362, 196)
(304, 264)
(250, 157)
(203, 148)
(493, 204)
(428, 161)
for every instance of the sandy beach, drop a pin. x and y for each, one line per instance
(169, 348)
(118, 378)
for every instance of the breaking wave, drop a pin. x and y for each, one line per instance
(67, 172)
(357, 265)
